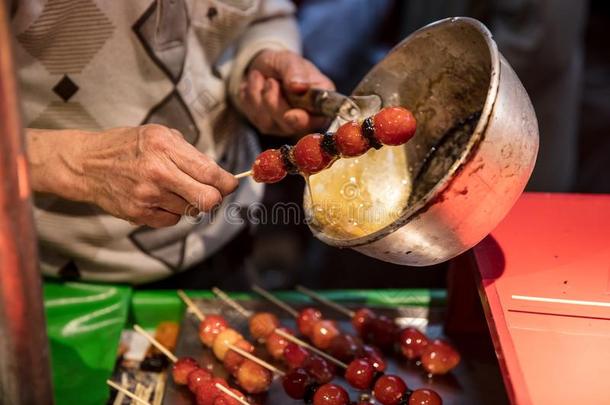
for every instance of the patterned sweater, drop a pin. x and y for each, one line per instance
(99, 64)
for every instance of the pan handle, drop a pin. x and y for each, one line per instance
(320, 102)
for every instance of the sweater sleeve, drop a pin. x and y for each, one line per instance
(274, 28)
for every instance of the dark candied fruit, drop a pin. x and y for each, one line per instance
(321, 370)
(269, 167)
(295, 355)
(331, 394)
(296, 383)
(382, 332)
(323, 333)
(412, 343)
(350, 141)
(361, 319)
(360, 373)
(182, 368)
(307, 318)
(394, 125)
(345, 347)
(309, 156)
(424, 396)
(374, 356)
(389, 389)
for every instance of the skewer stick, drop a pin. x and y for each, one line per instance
(231, 394)
(255, 359)
(156, 343)
(239, 308)
(126, 392)
(306, 345)
(232, 303)
(243, 174)
(338, 307)
(267, 295)
(191, 305)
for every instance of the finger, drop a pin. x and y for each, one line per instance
(254, 100)
(159, 218)
(301, 75)
(202, 196)
(302, 121)
(276, 105)
(202, 169)
(175, 204)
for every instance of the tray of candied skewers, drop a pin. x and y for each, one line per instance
(269, 351)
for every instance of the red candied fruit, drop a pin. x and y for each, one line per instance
(389, 389)
(412, 343)
(295, 355)
(225, 399)
(331, 394)
(262, 325)
(323, 333)
(439, 357)
(350, 141)
(296, 383)
(198, 377)
(345, 347)
(182, 368)
(361, 319)
(425, 396)
(360, 373)
(382, 332)
(307, 319)
(269, 167)
(321, 370)
(394, 125)
(208, 392)
(210, 327)
(309, 156)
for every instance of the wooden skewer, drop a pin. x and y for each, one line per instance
(247, 314)
(191, 305)
(156, 343)
(232, 303)
(255, 359)
(306, 345)
(344, 310)
(126, 392)
(231, 394)
(243, 174)
(267, 295)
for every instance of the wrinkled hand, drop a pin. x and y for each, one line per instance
(270, 74)
(150, 175)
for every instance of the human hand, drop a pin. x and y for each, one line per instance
(261, 94)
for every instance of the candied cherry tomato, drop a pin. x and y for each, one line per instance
(424, 396)
(323, 332)
(394, 125)
(331, 394)
(361, 319)
(389, 389)
(269, 167)
(321, 370)
(276, 344)
(207, 392)
(350, 141)
(295, 355)
(262, 325)
(360, 373)
(223, 340)
(374, 356)
(296, 383)
(307, 319)
(309, 156)
(253, 378)
(345, 347)
(197, 377)
(439, 357)
(412, 343)
(233, 360)
(182, 368)
(210, 327)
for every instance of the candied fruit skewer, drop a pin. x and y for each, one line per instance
(186, 371)
(216, 334)
(437, 357)
(316, 152)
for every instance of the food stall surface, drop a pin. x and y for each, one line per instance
(545, 284)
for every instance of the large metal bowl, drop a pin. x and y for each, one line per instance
(444, 73)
